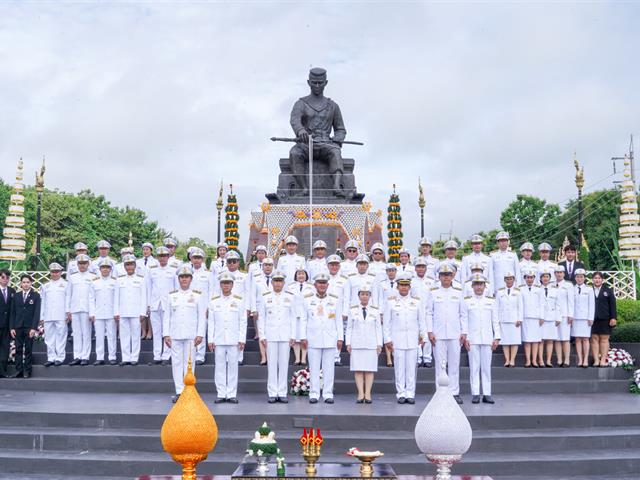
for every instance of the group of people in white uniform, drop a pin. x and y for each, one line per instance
(418, 311)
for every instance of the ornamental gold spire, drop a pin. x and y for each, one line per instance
(13, 242)
(629, 241)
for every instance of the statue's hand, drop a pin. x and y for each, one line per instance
(339, 142)
(303, 135)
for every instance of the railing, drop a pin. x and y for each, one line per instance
(40, 277)
(623, 283)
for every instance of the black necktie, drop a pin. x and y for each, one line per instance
(579, 289)
(391, 283)
(268, 278)
(570, 267)
(545, 291)
(508, 291)
(529, 288)
(145, 261)
(24, 297)
(301, 285)
(364, 312)
(4, 294)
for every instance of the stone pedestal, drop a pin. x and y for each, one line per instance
(288, 192)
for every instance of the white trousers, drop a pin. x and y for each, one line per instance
(404, 366)
(226, 372)
(321, 359)
(449, 352)
(425, 352)
(344, 329)
(105, 327)
(480, 365)
(81, 326)
(201, 350)
(160, 350)
(130, 338)
(277, 368)
(180, 351)
(55, 337)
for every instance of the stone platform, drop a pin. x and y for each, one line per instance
(104, 422)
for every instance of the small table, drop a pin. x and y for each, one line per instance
(327, 471)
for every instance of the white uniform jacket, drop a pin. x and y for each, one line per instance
(482, 315)
(185, 317)
(566, 298)
(53, 298)
(509, 305)
(321, 321)
(364, 332)
(130, 298)
(584, 302)
(551, 310)
(227, 320)
(78, 292)
(482, 259)
(160, 281)
(404, 322)
(503, 262)
(277, 317)
(289, 264)
(102, 297)
(446, 318)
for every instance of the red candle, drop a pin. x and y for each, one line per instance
(303, 438)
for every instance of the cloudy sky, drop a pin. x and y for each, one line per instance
(152, 103)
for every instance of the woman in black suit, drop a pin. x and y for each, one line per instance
(23, 321)
(604, 321)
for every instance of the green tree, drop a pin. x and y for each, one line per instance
(601, 219)
(530, 219)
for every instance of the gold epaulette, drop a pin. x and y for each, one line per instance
(344, 276)
(239, 297)
(138, 275)
(333, 295)
(352, 274)
(503, 288)
(174, 291)
(517, 289)
(97, 278)
(152, 266)
(373, 308)
(434, 288)
(123, 275)
(287, 291)
(416, 297)
(468, 297)
(215, 297)
(309, 295)
(456, 288)
(266, 293)
(371, 274)
(353, 306)
(199, 292)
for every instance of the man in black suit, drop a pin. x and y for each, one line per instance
(23, 321)
(6, 296)
(570, 263)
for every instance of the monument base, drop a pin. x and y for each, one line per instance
(335, 224)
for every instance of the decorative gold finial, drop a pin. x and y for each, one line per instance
(189, 432)
(579, 172)
(40, 178)
(421, 201)
(220, 203)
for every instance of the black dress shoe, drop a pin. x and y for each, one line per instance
(411, 401)
(123, 364)
(262, 364)
(175, 398)
(328, 400)
(75, 361)
(3, 375)
(17, 375)
(166, 362)
(98, 362)
(272, 400)
(220, 400)
(84, 363)
(368, 400)
(427, 364)
(26, 375)
(283, 399)
(313, 400)
(360, 400)
(458, 399)
(48, 363)
(232, 400)
(57, 363)
(113, 362)
(488, 399)
(240, 362)
(133, 364)
(155, 362)
(199, 362)
(475, 399)
(401, 400)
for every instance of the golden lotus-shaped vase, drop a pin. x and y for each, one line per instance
(189, 432)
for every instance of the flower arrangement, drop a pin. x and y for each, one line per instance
(12, 351)
(39, 336)
(263, 443)
(300, 382)
(634, 385)
(618, 357)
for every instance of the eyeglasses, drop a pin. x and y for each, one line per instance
(351, 250)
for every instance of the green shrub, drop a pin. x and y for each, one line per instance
(628, 311)
(629, 332)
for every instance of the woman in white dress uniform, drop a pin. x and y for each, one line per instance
(364, 343)
(300, 289)
(584, 313)
(551, 315)
(531, 319)
(509, 304)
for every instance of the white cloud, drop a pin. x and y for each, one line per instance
(152, 103)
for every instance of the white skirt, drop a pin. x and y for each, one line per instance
(564, 330)
(510, 334)
(298, 332)
(363, 360)
(580, 328)
(531, 330)
(549, 331)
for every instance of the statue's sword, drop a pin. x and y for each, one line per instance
(295, 140)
